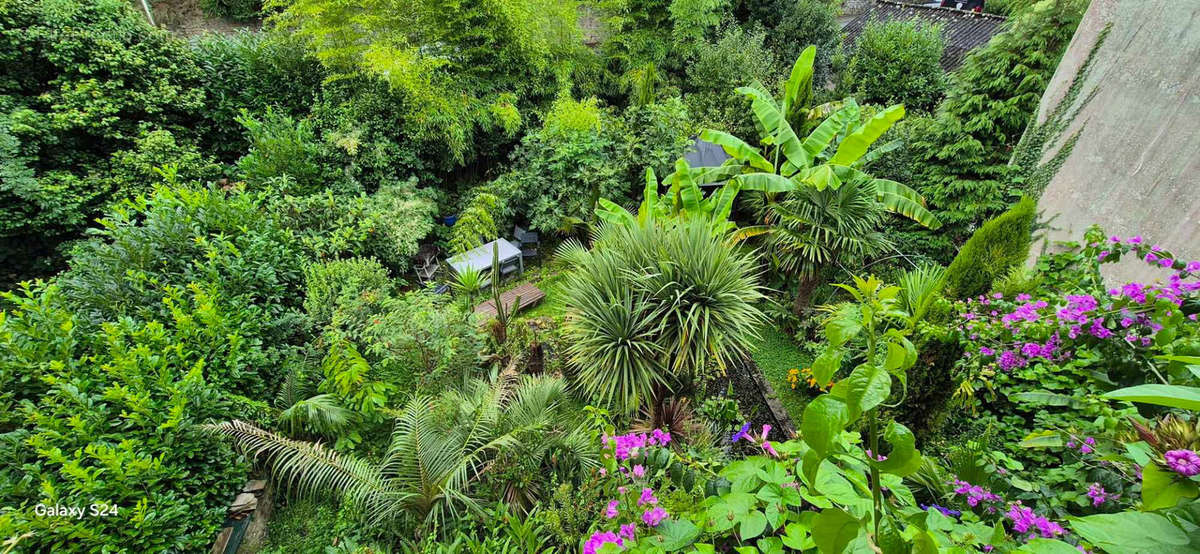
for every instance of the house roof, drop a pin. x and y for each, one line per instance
(962, 29)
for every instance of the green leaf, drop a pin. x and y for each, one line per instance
(796, 536)
(896, 355)
(1133, 533)
(826, 365)
(765, 182)
(866, 387)
(901, 200)
(834, 486)
(823, 420)
(1047, 546)
(770, 545)
(752, 525)
(1042, 439)
(743, 475)
(797, 91)
(738, 149)
(904, 459)
(1160, 488)
(677, 533)
(1173, 396)
(855, 145)
(843, 326)
(833, 529)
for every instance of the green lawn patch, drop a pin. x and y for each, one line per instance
(775, 354)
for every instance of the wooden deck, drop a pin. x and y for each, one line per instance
(528, 293)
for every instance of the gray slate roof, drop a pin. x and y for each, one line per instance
(963, 30)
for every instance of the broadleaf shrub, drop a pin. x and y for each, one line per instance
(898, 62)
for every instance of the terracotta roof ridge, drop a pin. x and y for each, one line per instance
(955, 11)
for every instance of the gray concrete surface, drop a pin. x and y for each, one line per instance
(1136, 166)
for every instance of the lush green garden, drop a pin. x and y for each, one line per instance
(213, 252)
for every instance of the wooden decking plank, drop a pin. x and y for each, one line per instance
(529, 294)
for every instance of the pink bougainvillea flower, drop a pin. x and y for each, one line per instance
(611, 511)
(654, 517)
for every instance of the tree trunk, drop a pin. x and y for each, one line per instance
(804, 292)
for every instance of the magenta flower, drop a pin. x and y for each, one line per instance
(629, 531)
(766, 445)
(639, 470)
(1098, 495)
(1183, 462)
(1135, 240)
(1025, 521)
(654, 517)
(611, 511)
(599, 539)
(1192, 267)
(1103, 254)
(647, 497)
(1151, 257)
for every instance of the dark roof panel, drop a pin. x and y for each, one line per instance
(963, 30)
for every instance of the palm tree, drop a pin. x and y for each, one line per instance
(439, 448)
(818, 204)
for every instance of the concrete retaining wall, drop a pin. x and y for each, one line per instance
(1135, 168)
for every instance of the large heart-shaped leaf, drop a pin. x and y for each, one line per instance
(823, 420)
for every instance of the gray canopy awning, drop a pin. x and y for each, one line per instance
(705, 154)
(481, 258)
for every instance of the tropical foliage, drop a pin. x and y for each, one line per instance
(228, 257)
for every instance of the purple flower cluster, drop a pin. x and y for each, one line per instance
(1183, 462)
(654, 517)
(1024, 520)
(1098, 495)
(628, 445)
(976, 494)
(599, 539)
(1086, 446)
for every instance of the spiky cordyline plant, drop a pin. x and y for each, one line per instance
(653, 302)
(439, 447)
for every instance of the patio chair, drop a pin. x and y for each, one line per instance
(524, 237)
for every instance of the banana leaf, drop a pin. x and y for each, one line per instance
(738, 149)
(855, 145)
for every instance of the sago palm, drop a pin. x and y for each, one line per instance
(439, 446)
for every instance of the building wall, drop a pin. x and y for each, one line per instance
(1135, 168)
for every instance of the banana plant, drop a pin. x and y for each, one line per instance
(683, 199)
(833, 153)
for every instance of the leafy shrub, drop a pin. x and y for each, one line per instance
(653, 306)
(286, 154)
(237, 10)
(331, 284)
(898, 62)
(251, 71)
(739, 58)
(994, 249)
(79, 81)
(135, 171)
(196, 241)
(807, 23)
(388, 225)
(656, 135)
(419, 340)
(114, 421)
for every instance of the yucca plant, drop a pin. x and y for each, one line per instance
(439, 447)
(468, 282)
(652, 304)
